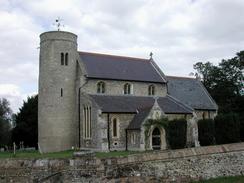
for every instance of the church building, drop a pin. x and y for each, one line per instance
(101, 102)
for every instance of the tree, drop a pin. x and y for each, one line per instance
(206, 132)
(26, 123)
(176, 133)
(227, 128)
(5, 122)
(225, 83)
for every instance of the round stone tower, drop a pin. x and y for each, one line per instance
(57, 92)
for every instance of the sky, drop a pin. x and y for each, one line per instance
(179, 33)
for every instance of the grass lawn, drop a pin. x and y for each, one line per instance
(36, 154)
(237, 179)
(115, 153)
(64, 154)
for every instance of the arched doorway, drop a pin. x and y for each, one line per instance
(156, 139)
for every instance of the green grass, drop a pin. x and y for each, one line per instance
(64, 154)
(237, 179)
(115, 154)
(36, 154)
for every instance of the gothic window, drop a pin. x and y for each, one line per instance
(115, 127)
(133, 138)
(151, 90)
(61, 92)
(127, 89)
(100, 87)
(66, 58)
(87, 122)
(62, 58)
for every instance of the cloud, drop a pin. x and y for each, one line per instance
(179, 33)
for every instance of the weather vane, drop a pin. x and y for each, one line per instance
(58, 23)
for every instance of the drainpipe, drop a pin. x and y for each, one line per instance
(108, 132)
(79, 116)
(126, 139)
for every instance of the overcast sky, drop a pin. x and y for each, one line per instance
(179, 33)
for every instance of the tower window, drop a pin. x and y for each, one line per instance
(61, 92)
(127, 89)
(62, 58)
(66, 58)
(101, 87)
(151, 90)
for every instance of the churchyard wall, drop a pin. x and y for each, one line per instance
(182, 165)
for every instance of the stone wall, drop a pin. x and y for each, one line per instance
(182, 165)
(117, 87)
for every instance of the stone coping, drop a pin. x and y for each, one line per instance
(175, 154)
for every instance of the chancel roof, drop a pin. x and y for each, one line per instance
(101, 66)
(191, 92)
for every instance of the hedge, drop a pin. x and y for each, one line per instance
(242, 127)
(176, 133)
(227, 128)
(206, 132)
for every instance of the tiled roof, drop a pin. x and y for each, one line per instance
(101, 66)
(131, 104)
(191, 92)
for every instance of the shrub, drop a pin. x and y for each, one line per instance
(176, 133)
(227, 128)
(206, 132)
(242, 127)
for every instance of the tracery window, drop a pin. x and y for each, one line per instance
(101, 87)
(87, 122)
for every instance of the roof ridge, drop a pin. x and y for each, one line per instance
(180, 77)
(117, 56)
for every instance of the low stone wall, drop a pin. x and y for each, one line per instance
(159, 166)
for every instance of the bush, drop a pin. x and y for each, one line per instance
(242, 127)
(176, 133)
(206, 132)
(227, 128)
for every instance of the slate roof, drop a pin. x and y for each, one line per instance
(101, 66)
(131, 104)
(191, 92)
(136, 122)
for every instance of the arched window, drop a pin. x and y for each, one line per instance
(101, 87)
(127, 89)
(87, 122)
(62, 58)
(115, 127)
(61, 92)
(151, 90)
(66, 58)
